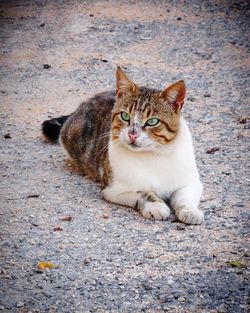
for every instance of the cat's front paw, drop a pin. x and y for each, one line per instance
(188, 216)
(155, 210)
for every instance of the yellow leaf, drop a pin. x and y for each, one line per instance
(236, 264)
(42, 265)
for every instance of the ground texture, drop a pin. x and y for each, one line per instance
(55, 54)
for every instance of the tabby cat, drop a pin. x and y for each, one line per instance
(137, 144)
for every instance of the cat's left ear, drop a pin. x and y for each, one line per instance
(175, 95)
(123, 84)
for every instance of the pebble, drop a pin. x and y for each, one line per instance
(191, 98)
(207, 95)
(20, 304)
(180, 227)
(7, 136)
(170, 281)
(181, 299)
(46, 66)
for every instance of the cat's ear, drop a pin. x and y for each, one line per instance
(123, 84)
(175, 95)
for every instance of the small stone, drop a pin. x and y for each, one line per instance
(152, 255)
(7, 136)
(207, 95)
(179, 18)
(181, 299)
(191, 98)
(42, 25)
(221, 308)
(35, 223)
(243, 120)
(20, 304)
(13, 276)
(3, 271)
(170, 281)
(46, 66)
(31, 242)
(87, 260)
(105, 215)
(225, 173)
(243, 306)
(58, 228)
(180, 227)
(146, 38)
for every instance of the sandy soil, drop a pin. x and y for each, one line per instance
(55, 54)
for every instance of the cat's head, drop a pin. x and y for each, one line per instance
(145, 119)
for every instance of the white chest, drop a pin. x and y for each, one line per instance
(161, 173)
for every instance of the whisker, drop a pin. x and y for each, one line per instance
(105, 135)
(105, 147)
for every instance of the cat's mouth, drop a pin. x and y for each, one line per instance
(133, 145)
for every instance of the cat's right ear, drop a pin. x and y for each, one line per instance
(124, 85)
(175, 95)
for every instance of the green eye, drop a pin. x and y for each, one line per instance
(125, 116)
(152, 122)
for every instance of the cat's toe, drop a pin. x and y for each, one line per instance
(156, 210)
(187, 216)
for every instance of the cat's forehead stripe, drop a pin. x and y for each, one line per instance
(143, 102)
(132, 108)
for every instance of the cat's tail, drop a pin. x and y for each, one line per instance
(51, 128)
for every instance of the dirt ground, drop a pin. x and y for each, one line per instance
(106, 258)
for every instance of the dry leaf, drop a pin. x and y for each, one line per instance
(236, 264)
(42, 265)
(66, 219)
(213, 150)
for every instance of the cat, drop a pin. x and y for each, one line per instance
(136, 142)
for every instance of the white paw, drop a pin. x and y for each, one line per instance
(189, 216)
(156, 210)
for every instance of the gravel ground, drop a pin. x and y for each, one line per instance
(106, 258)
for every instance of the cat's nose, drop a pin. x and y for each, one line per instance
(133, 136)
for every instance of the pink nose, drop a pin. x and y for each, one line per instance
(133, 137)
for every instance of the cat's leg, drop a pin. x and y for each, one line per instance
(148, 203)
(185, 202)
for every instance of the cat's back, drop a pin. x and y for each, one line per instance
(99, 105)
(85, 133)
(92, 115)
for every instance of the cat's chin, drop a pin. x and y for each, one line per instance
(137, 148)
